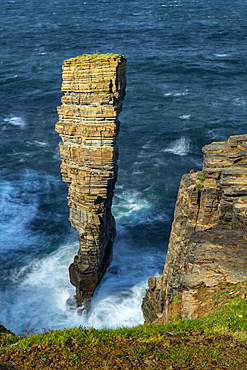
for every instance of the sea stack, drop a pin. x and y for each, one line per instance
(207, 251)
(94, 89)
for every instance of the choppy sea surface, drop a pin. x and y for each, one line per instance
(187, 87)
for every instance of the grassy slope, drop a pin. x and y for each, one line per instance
(217, 341)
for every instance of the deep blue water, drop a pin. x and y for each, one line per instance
(187, 87)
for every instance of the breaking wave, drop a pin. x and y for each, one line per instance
(179, 147)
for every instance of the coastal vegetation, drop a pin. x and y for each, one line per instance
(216, 341)
(200, 175)
(96, 56)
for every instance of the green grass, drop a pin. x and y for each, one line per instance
(97, 56)
(200, 175)
(173, 343)
(230, 319)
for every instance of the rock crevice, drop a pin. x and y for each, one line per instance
(94, 89)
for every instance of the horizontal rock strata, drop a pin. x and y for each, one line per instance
(94, 89)
(208, 242)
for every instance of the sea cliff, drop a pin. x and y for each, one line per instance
(94, 89)
(207, 250)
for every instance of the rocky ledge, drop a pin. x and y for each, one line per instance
(207, 249)
(94, 89)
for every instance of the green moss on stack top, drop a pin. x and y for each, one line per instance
(98, 56)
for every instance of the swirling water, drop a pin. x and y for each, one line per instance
(187, 84)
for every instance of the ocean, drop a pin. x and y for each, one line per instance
(187, 87)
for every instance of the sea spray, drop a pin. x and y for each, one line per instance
(182, 60)
(41, 289)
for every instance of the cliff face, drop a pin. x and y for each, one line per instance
(208, 242)
(94, 88)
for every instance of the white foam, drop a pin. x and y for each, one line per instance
(176, 94)
(185, 116)
(117, 302)
(37, 293)
(179, 147)
(19, 202)
(161, 217)
(40, 143)
(171, 5)
(158, 161)
(128, 202)
(216, 133)
(239, 101)
(137, 168)
(118, 309)
(40, 291)
(15, 214)
(147, 145)
(223, 55)
(15, 121)
(37, 298)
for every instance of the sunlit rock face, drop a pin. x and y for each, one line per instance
(208, 242)
(94, 89)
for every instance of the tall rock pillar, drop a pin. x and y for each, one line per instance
(94, 89)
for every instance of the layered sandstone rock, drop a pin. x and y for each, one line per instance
(94, 89)
(208, 242)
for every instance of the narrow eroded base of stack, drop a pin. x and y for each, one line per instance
(94, 89)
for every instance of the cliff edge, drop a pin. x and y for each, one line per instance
(94, 89)
(207, 249)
